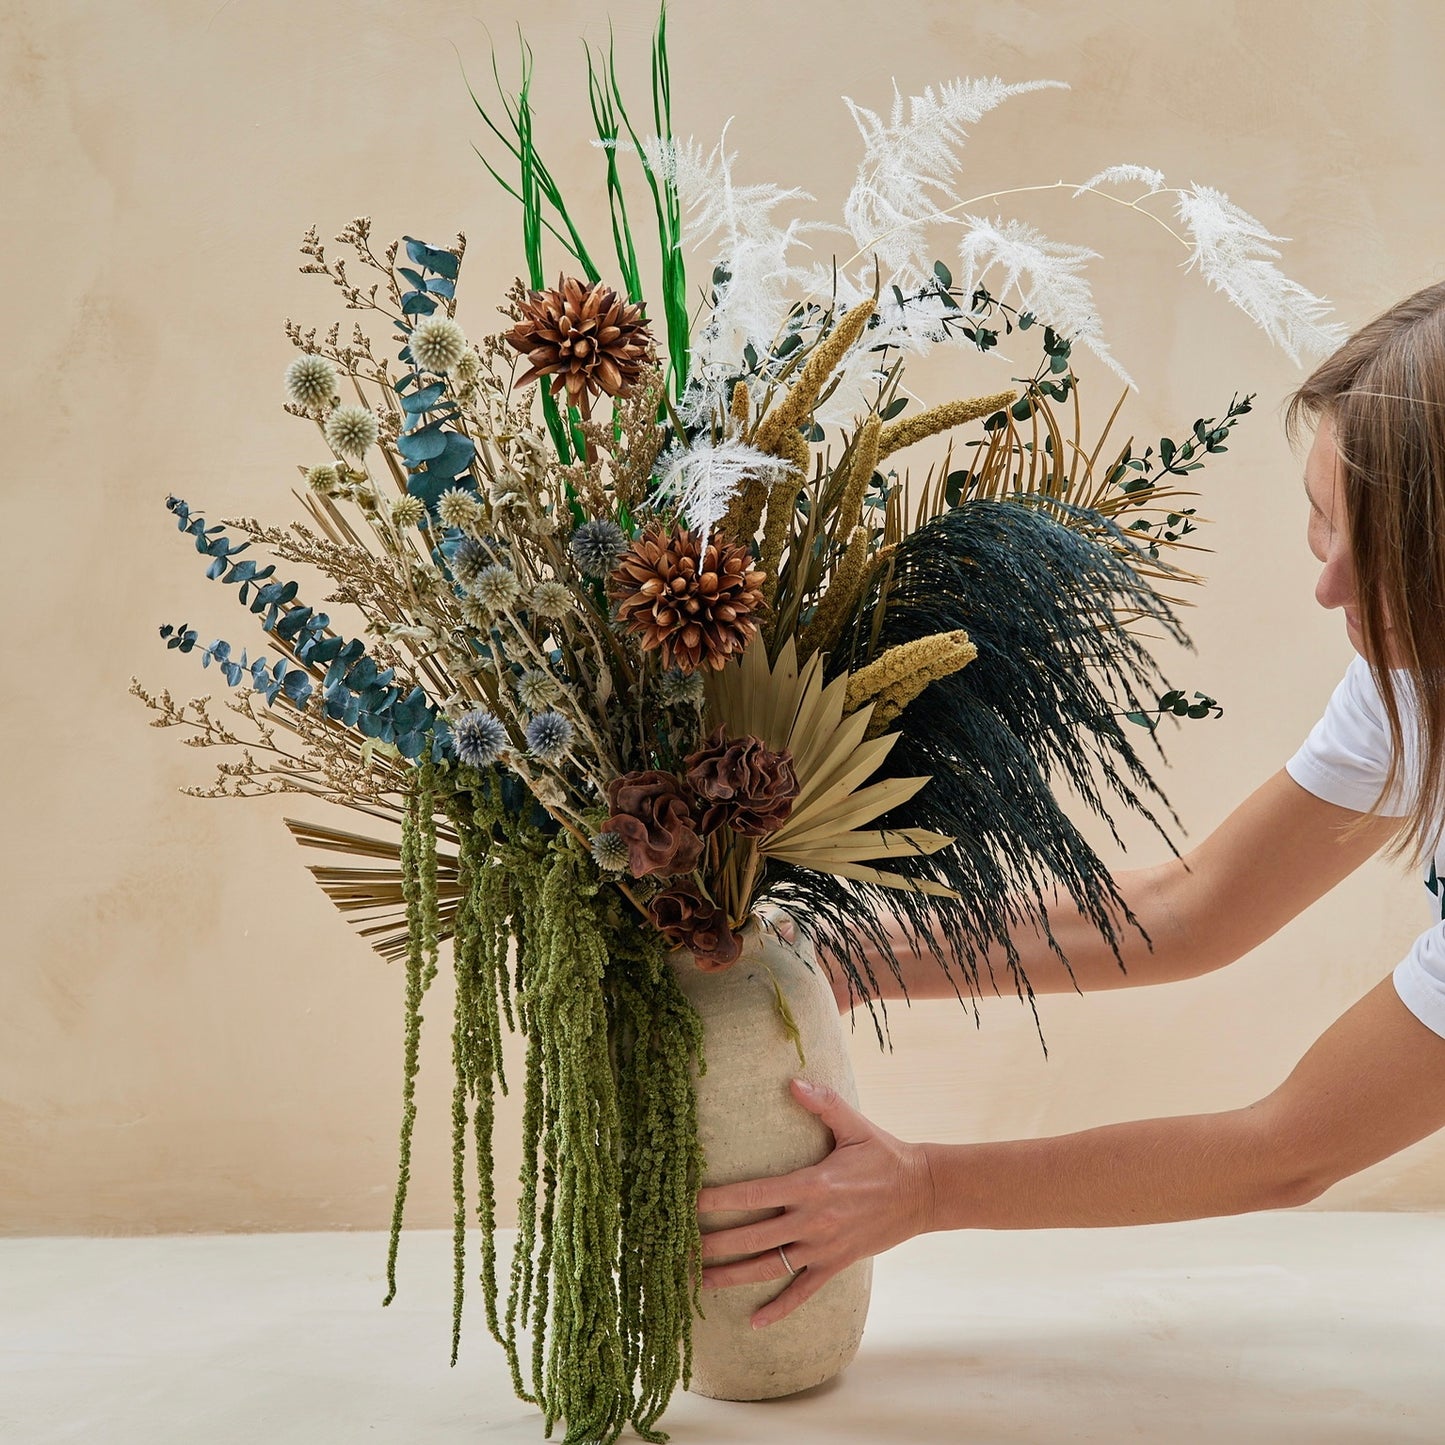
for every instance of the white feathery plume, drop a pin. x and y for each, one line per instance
(732, 226)
(908, 164)
(1120, 175)
(702, 480)
(1047, 274)
(1235, 255)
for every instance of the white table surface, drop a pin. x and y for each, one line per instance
(1281, 1329)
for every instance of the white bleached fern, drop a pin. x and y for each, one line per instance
(1120, 174)
(1236, 255)
(909, 165)
(905, 186)
(702, 480)
(1048, 276)
(733, 226)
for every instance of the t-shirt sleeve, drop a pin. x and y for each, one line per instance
(1420, 979)
(1344, 761)
(1347, 754)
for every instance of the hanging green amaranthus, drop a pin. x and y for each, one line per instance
(604, 1275)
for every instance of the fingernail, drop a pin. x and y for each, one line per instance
(806, 1086)
(760, 1324)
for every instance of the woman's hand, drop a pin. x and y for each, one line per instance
(872, 1192)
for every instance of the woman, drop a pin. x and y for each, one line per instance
(1370, 776)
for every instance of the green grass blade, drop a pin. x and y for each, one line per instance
(604, 118)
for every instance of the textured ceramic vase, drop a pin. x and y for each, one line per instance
(751, 1126)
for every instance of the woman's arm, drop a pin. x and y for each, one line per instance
(1279, 851)
(1373, 1084)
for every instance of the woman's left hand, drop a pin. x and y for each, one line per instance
(872, 1192)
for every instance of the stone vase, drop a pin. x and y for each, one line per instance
(751, 1126)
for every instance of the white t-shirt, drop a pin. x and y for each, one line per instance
(1343, 761)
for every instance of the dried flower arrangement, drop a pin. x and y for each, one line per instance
(656, 629)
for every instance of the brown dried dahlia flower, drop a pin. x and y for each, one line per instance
(694, 603)
(688, 920)
(653, 817)
(584, 336)
(742, 783)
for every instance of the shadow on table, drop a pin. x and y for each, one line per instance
(1111, 1386)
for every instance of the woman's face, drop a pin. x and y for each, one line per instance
(1329, 536)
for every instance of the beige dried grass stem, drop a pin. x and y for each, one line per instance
(839, 600)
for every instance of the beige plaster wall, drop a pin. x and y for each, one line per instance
(190, 1038)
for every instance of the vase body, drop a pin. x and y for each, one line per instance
(750, 1126)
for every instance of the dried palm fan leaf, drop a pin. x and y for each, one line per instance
(371, 899)
(792, 708)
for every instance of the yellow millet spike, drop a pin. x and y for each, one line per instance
(802, 396)
(893, 680)
(739, 408)
(860, 473)
(782, 499)
(899, 434)
(822, 632)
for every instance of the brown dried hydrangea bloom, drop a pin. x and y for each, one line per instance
(688, 920)
(653, 817)
(742, 783)
(585, 336)
(693, 603)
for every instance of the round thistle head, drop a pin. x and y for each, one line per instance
(597, 546)
(407, 511)
(676, 688)
(351, 430)
(325, 479)
(311, 382)
(477, 617)
(551, 599)
(468, 368)
(479, 738)
(549, 735)
(609, 852)
(537, 690)
(458, 508)
(467, 560)
(584, 336)
(495, 587)
(437, 344)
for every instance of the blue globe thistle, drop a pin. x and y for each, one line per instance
(676, 688)
(467, 560)
(549, 735)
(478, 738)
(597, 545)
(609, 852)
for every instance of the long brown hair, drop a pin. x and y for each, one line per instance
(1384, 394)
